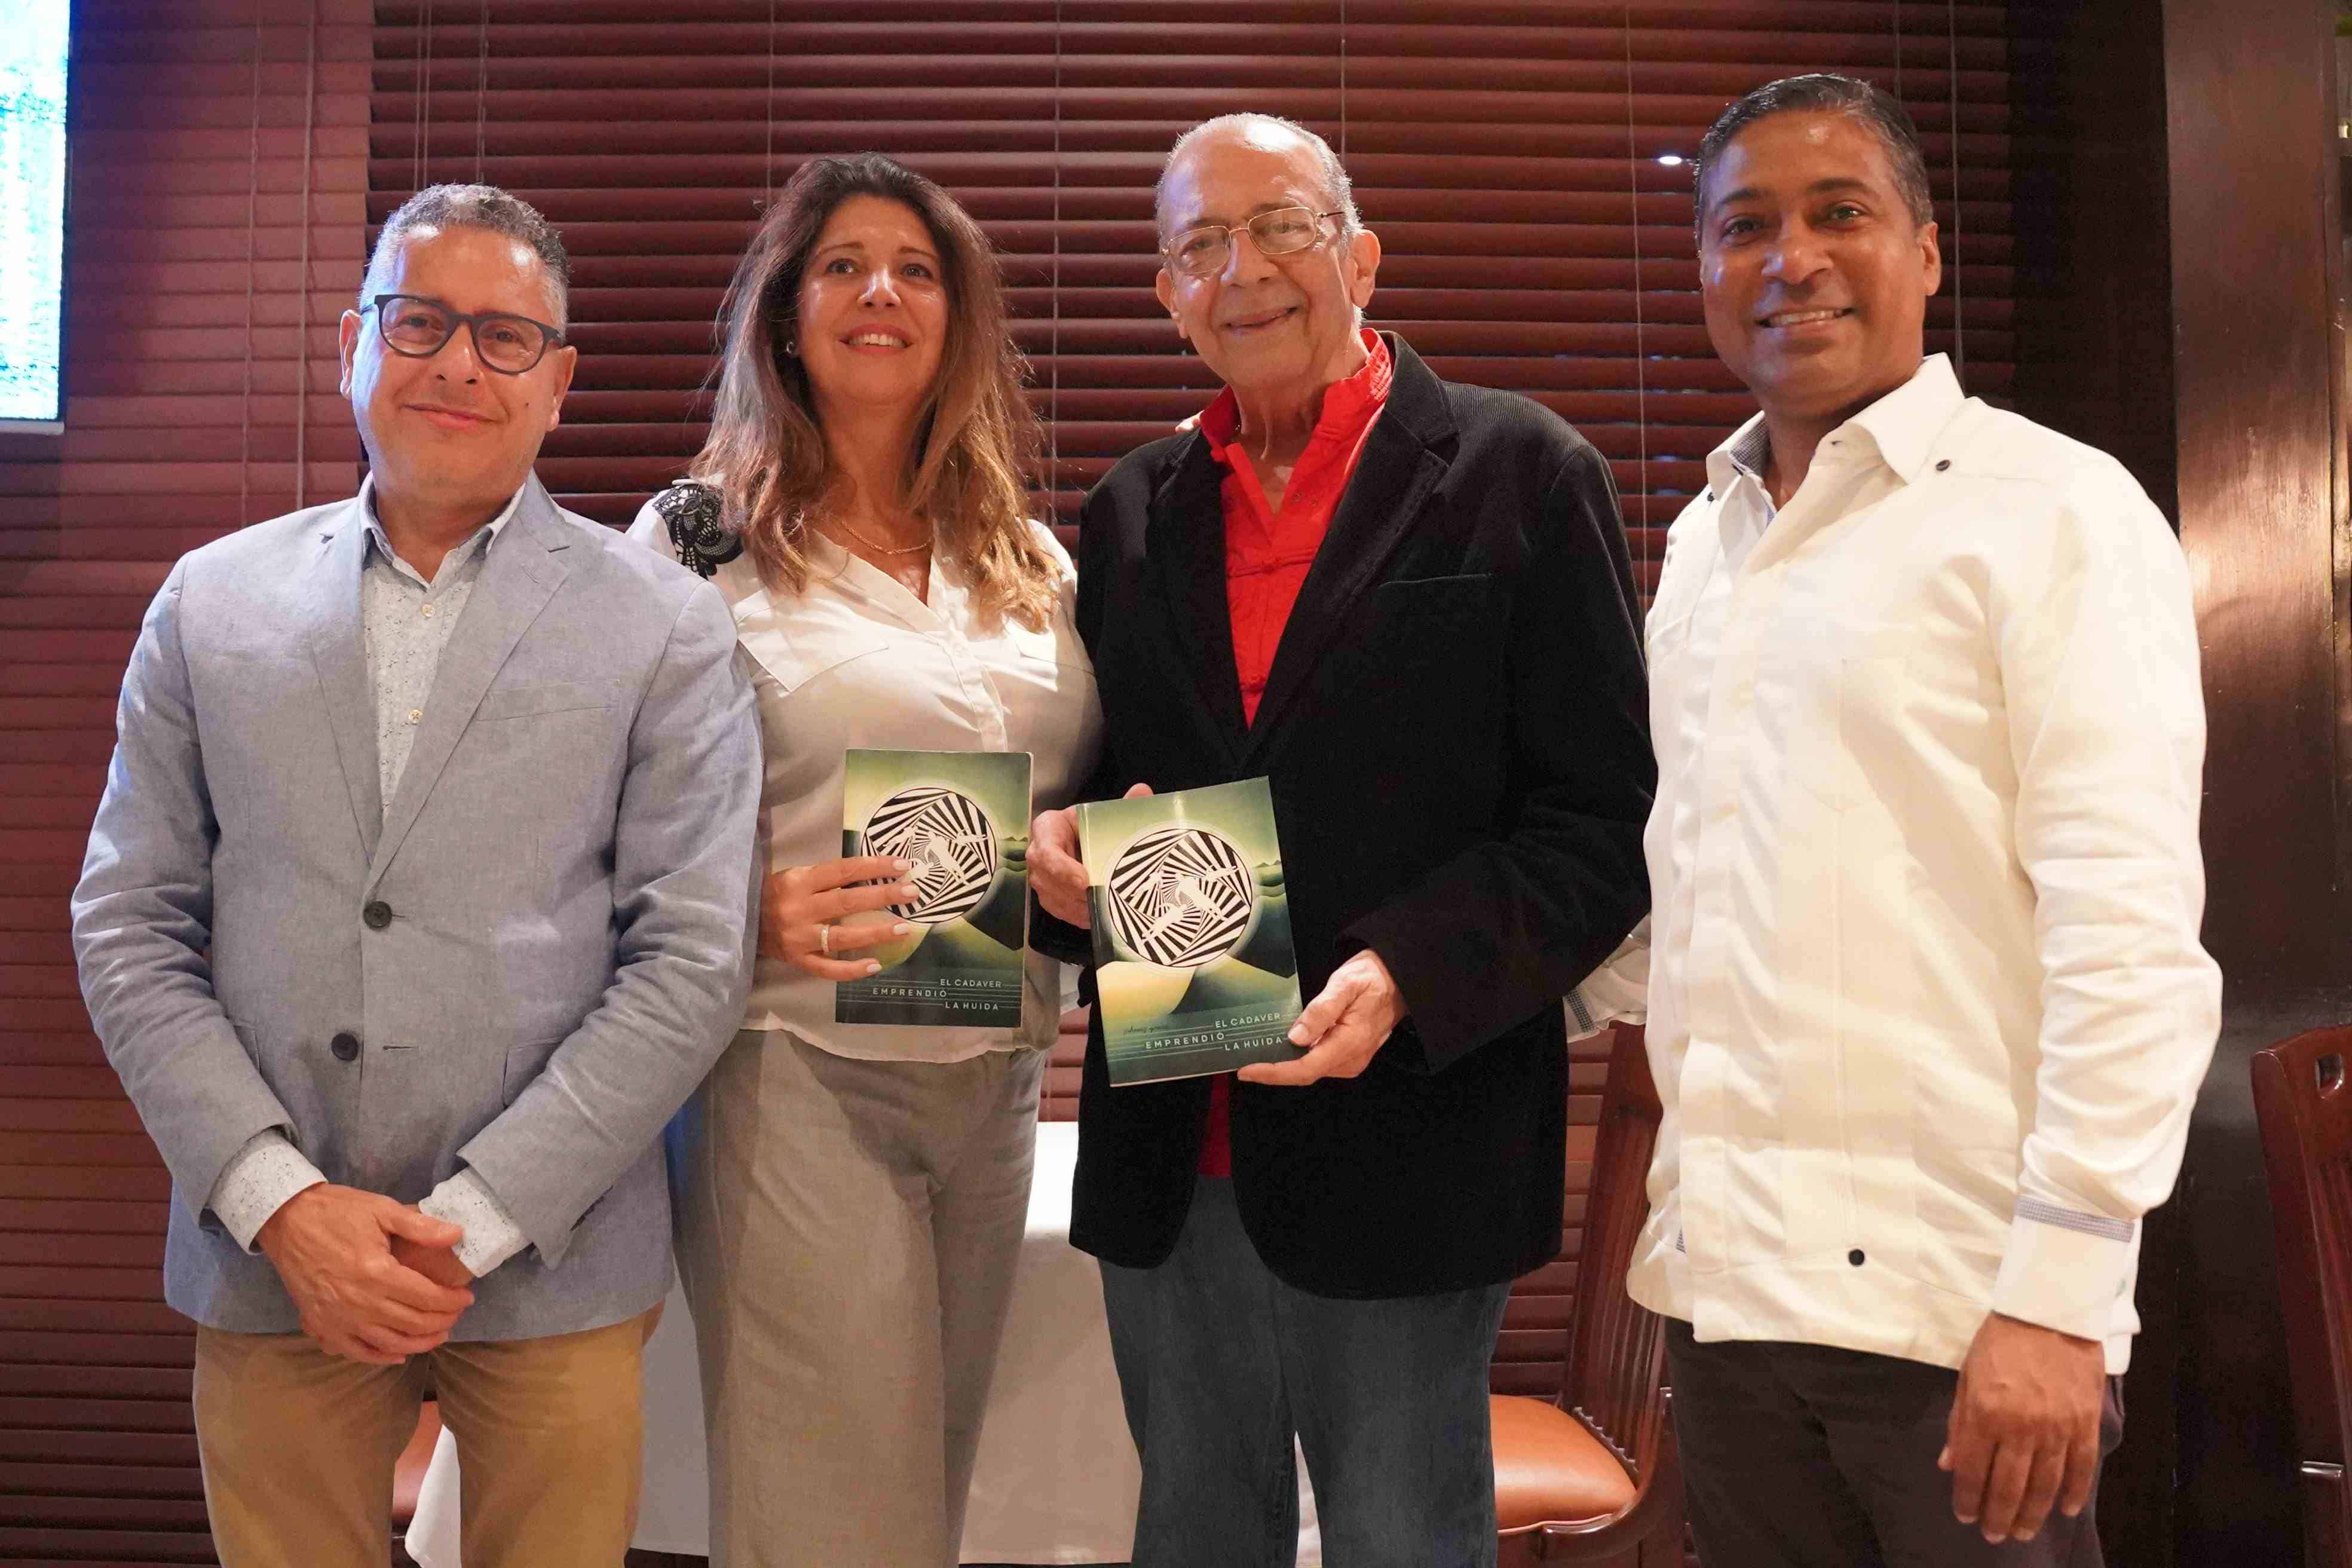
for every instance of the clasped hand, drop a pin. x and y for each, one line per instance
(2024, 1428)
(1351, 1020)
(374, 1280)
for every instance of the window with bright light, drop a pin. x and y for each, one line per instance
(33, 43)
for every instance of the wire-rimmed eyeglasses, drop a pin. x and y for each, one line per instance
(1201, 251)
(417, 327)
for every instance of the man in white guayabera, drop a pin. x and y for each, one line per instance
(1927, 1006)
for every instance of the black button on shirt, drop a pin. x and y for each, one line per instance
(378, 914)
(346, 1046)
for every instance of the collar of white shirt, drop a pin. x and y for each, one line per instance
(1903, 427)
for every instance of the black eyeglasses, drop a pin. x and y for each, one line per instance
(417, 327)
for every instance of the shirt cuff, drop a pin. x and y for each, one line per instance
(257, 1182)
(491, 1234)
(1582, 1023)
(1593, 1006)
(1616, 992)
(2064, 1269)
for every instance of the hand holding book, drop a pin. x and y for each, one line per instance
(1195, 970)
(1056, 872)
(802, 909)
(955, 935)
(1359, 1008)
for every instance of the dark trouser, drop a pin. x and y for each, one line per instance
(1220, 1363)
(1801, 1456)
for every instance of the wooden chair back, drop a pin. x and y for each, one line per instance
(1616, 1353)
(2302, 1099)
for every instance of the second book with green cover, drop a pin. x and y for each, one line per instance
(1194, 968)
(962, 819)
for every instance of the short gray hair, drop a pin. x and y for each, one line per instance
(1340, 190)
(1823, 92)
(475, 207)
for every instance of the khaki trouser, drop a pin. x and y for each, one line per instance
(299, 1445)
(848, 1238)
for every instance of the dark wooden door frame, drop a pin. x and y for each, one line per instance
(2180, 304)
(2258, 283)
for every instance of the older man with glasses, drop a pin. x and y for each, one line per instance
(1408, 604)
(416, 903)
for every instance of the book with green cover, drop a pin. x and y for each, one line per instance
(962, 819)
(1195, 970)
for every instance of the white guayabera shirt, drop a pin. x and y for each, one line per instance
(857, 660)
(1927, 1004)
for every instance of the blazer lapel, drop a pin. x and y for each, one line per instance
(1184, 539)
(1394, 477)
(521, 575)
(331, 625)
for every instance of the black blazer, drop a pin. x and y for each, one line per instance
(1455, 732)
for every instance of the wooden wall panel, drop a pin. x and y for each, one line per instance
(2252, 112)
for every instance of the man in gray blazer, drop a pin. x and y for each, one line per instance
(416, 903)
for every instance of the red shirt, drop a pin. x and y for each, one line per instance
(1267, 555)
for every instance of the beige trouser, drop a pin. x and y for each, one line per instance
(298, 1446)
(848, 1241)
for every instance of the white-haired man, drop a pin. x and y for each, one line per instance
(1408, 604)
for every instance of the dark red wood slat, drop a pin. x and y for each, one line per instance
(83, 1283)
(110, 1512)
(87, 1414)
(32, 1114)
(101, 1250)
(149, 1449)
(87, 1382)
(90, 1348)
(146, 1181)
(64, 1047)
(100, 1481)
(66, 1314)
(126, 1547)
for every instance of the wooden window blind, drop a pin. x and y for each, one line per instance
(230, 158)
(216, 211)
(1510, 163)
(1511, 166)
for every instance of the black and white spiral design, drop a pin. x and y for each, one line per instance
(951, 843)
(1181, 897)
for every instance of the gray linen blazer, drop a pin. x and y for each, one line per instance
(523, 963)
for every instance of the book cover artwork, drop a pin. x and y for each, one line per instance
(962, 819)
(1194, 968)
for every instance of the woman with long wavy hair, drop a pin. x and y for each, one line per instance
(854, 1193)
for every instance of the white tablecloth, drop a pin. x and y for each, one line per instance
(1056, 1478)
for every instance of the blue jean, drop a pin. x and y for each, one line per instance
(1220, 1363)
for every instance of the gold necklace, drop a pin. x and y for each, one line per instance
(842, 523)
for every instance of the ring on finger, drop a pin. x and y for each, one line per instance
(824, 938)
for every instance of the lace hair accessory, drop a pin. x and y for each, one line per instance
(694, 512)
